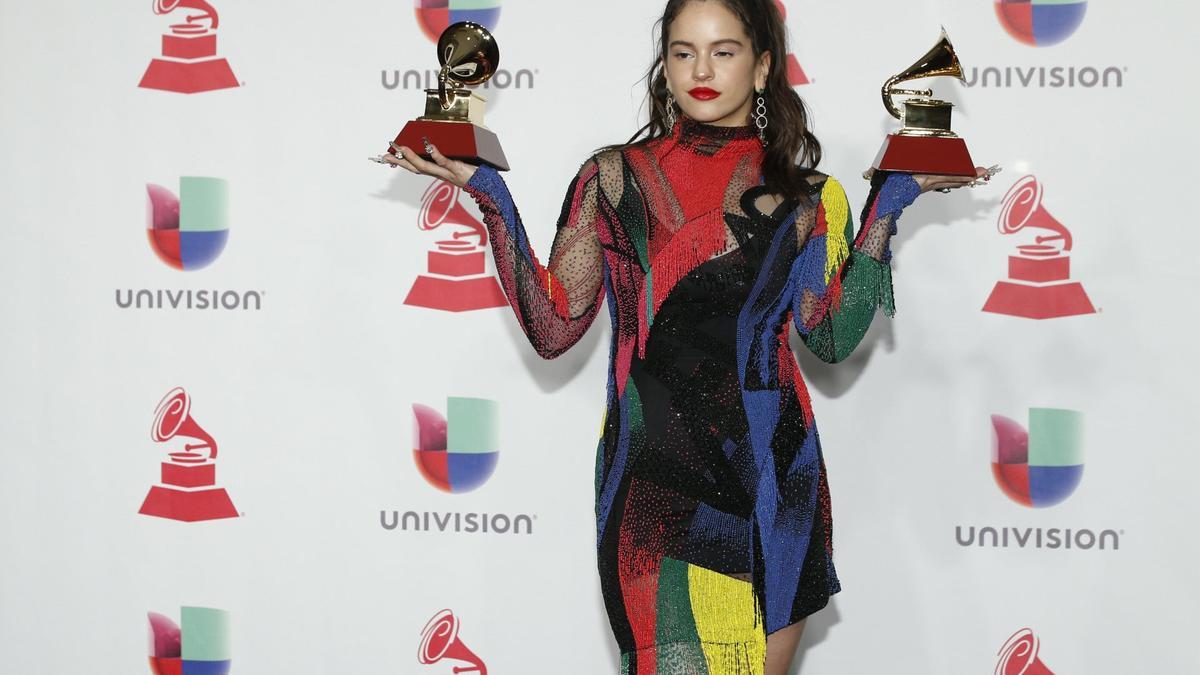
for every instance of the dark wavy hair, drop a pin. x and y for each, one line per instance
(792, 149)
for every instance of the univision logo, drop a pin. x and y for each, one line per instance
(456, 453)
(434, 16)
(1043, 23)
(188, 232)
(199, 647)
(1038, 468)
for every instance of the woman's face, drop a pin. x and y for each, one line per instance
(710, 64)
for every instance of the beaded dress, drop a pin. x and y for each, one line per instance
(713, 524)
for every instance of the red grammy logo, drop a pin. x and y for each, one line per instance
(1019, 656)
(795, 73)
(457, 280)
(440, 641)
(189, 62)
(188, 491)
(1039, 284)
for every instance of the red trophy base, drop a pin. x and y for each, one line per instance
(936, 155)
(457, 140)
(456, 295)
(188, 505)
(1039, 288)
(188, 78)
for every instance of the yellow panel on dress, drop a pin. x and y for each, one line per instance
(728, 622)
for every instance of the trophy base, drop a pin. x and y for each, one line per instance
(188, 506)
(456, 295)
(463, 141)
(934, 155)
(188, 78)
(1039, 302)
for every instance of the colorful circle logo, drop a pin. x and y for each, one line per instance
(1041, 23)
(188, 232)
(456, 453)
(435, 16)
(1042, 466)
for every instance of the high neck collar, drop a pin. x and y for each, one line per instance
(708, 139)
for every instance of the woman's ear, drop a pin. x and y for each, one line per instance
(762, 70)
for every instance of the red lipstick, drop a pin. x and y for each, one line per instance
(704, 94)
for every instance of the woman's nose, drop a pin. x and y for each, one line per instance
(702, 71)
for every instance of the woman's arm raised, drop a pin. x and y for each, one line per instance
(556, 303)
(840, 279)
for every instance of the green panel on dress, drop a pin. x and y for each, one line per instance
(675, 626)
(866, 284)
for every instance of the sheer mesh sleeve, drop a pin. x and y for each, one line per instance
(838, 286)
(554, 304)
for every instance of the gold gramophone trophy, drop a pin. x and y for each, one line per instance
(453, 119)
(925, 143)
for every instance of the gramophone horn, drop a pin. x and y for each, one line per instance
(939, 61)
(1023, 208)
(1019, 656)
(440, 641)
(173, 418)
(440, 205)
(469, 56)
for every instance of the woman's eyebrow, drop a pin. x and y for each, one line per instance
(685, 43)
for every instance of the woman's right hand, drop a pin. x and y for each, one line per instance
(450, 170)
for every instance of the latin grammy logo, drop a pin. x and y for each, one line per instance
(795, 73)
(457, 279)
(1039, 284)
(1019, 656)
(189, 62)
(440, 641)
(188, 491)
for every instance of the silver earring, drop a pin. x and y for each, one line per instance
(760, 117)
(670, 111)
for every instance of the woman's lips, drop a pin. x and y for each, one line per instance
(703, 94)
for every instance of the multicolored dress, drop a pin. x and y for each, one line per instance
(713, 523)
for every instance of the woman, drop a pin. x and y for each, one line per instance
(713, 517)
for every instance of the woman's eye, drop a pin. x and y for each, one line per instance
(724, 53)
(681, 55)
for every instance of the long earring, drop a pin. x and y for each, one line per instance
(760, 117)
(670, 111)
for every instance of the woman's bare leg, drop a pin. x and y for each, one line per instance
(781, 648)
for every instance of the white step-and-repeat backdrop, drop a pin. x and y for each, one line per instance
(196, 255)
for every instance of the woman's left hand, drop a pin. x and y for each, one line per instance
(941, 183)
(947, 183)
